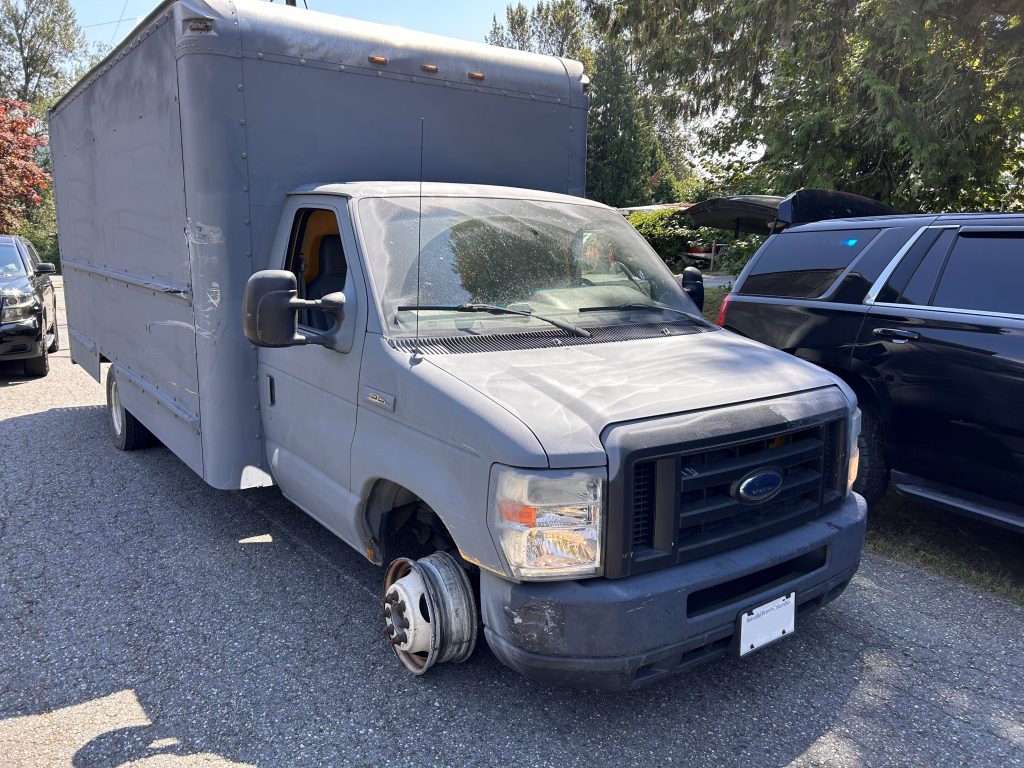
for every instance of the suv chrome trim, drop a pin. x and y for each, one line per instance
(953, 310)
(876, 287)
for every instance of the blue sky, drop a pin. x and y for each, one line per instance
(467, 19)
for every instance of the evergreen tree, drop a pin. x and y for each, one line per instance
(621, 144)
(917, 102)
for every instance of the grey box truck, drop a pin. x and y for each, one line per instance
(353, 261)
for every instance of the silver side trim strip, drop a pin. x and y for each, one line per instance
(175, 291)
(883, 278)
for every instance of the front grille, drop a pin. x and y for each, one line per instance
(685, 505)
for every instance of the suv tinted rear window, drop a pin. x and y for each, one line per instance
(984, 273)
(803, 265)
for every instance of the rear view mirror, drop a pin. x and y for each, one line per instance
(270, 312)
(692, 282)
(46, 268)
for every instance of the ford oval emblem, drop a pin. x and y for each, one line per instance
(758, 486)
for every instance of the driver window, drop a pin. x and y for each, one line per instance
(317, 259)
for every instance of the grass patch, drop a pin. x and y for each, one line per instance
(713, 298)
(970, 551)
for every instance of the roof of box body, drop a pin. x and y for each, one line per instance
(362, 189)
(311, 38)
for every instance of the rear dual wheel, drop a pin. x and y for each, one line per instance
(128, 432)
(430, 614)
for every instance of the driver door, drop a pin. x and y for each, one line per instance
(308, 394)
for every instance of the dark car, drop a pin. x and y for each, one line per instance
(28, 306)
(923, 316)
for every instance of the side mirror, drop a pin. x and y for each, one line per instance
(46, 268)
(693, 283)
(270, 311)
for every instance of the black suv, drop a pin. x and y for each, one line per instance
(28, 306)
(923, 316)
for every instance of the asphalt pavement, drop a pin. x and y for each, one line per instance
(149, 620)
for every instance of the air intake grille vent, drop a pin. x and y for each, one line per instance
(503, 342)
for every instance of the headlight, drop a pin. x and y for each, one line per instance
(17, 307)
(853, 450)
(548, 522)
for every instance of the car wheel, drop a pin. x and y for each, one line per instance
(38, 366)
(128, 432)
(873, 477)
(55, 342)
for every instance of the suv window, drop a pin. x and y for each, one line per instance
(919, 289)
(984, 272)
(803, 265)
(11, 264)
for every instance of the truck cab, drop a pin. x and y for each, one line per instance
(516, 377)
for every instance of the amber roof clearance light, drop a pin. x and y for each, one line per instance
(376, 59)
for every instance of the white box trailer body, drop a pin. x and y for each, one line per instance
(172, 160)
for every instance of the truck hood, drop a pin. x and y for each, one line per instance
(569, 395)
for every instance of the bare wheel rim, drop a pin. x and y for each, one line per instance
(430, 614)
(116, 414)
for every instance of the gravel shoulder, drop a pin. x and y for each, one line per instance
(147, 619)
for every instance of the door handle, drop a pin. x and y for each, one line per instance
(896, 334)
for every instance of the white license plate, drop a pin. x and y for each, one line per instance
(767, 623)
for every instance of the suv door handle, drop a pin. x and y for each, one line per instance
(896, 334)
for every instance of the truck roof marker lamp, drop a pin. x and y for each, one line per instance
(377, 59)
(429, 68)
(476, 75)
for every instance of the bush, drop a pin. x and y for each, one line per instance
(670, 233)
(667, 231)
(738, 253)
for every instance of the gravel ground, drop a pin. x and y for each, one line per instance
(149, 620)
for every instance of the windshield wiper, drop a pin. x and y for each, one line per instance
(494, 309)
(632, 307)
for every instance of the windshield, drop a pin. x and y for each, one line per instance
(539, 258)
(10, 261)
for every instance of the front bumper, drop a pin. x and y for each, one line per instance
(626, 633)
(20, 339)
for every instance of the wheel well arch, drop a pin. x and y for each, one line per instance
(866, 395)
(392, 509)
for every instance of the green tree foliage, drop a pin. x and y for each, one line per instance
(634, 153)
(919, 103)
(503, 259)
(668, 232)
(621, 149)
(41, 45)
(557, 28)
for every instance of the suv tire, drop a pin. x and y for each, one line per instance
(38, 367)
(873, 477)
